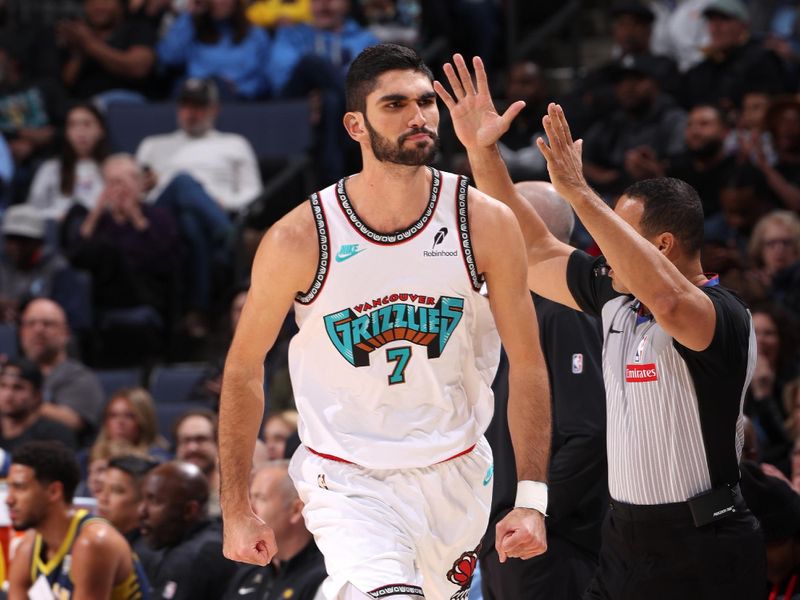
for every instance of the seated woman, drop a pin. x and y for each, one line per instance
(130, 416)
(74, 176)
(215, 40)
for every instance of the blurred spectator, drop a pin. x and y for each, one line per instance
(680, 31)
(65, 553)
(172, 519)
(20, 408)
(119, 497)
(774, 252)
(518, 145)
(223, 163)
(749, 136)
(705, 164)
(106, 54)
(795, 461)
(31, 111)
(776, 366)
(131, 248)
(298, 568)
(631, 143)
(314, 59)
(96, 463)
(273, 13)
(777, 507)
(130, 417)
(72, 393)
(28, 267)
(75, 175)
(317, 55)
(631, 31)
(393, 21)
(278, 428)
(214, 39)
(783, 177)
(6, 172)
(743, 201)
(791, 407)
(196, 442)
(733, 60)
(199, 173)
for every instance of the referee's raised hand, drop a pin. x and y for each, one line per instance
(564, 162)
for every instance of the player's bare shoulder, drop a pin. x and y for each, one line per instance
(492, 226)
(292, 245)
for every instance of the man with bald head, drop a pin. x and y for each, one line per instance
(72, 393)
(571, 342)
(298, 568)
(173, 521)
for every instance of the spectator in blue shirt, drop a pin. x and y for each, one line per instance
(312, 60)
(215, 40)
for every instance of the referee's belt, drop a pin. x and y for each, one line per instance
(705, 508)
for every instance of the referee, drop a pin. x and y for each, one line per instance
(678, 354)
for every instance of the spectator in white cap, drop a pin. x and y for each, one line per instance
(27, 267)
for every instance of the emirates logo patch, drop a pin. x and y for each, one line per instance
(641, 373)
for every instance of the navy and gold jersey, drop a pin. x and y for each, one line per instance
(57, 571)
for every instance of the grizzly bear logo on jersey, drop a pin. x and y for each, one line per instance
(422, 320)
(462, 572)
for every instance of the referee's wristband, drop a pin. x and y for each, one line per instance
(532, 494)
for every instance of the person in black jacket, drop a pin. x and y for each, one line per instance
(577, 478)
(172, 519)
(298, 568)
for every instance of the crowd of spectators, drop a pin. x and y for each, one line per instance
(126, 260)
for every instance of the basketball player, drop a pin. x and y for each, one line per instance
(66, 553)
(392, 365)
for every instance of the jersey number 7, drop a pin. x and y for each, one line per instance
(400, 356)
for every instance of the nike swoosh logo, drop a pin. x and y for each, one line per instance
(489, 475)
(614, 330)
(343, 257)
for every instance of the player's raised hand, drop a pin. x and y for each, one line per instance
(564, 162)
(475, 119)
(247, 539)
(521, 534)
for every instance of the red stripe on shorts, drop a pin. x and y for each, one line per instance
(347, 462)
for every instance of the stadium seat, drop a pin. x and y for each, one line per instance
(8, 340)
(276, 129)
(168, 413)
(175, 383)
(115, 379)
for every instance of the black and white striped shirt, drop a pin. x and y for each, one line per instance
(674, 415)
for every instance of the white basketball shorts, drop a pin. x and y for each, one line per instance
(411, 533)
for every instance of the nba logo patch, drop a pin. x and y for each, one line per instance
(577, 363)
(640, 350)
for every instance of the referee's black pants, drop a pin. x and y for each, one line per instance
(656, 552)
(561, 573)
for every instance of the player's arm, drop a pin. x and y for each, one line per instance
(679, 306)
(19, 573)
(97, 555)
(478, 127)
(500, 253)
(285, 264)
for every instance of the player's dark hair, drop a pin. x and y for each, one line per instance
(673, 206)
(371, 64)
(51, 461)
(135, 466)
(28, 370)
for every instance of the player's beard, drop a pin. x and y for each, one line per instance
(416, 156)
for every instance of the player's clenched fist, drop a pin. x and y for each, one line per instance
(248, 539)
(521, 534)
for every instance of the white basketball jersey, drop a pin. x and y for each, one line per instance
(397, 348)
